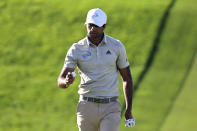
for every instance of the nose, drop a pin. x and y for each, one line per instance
(92, 28)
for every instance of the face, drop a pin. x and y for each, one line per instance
(94, 31)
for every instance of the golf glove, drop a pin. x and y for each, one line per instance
(130, 123)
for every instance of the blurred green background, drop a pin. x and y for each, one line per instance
(160, 39)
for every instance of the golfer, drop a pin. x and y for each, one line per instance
(98, 58)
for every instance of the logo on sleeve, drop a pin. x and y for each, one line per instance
(108, 53)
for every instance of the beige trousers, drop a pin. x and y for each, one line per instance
(98, 117)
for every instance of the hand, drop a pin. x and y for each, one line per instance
(130, 121)
(69, 79)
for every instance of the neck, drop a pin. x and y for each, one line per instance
(97, 40)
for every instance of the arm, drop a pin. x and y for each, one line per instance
(65, 78)
(128, 91)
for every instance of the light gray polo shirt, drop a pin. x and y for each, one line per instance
(97, 65)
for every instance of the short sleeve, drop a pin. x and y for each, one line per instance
(71, 58)
(122, 60)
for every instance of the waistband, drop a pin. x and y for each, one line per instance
(99, 100)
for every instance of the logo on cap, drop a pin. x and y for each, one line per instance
(95, 15)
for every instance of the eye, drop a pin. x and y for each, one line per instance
(90, 25)
(95, 26)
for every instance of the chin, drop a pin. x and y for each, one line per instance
(93, 36)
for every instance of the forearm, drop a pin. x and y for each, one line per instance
(128, 93)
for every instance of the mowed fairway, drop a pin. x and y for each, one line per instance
(35, 36)
(183, 113)
(166, 76)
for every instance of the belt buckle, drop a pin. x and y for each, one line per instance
(97, 100)
(107, 100)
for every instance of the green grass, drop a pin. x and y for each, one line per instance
(158, 89)
(183, 115)
(35, 36)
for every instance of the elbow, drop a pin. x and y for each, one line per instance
(128, 84)
(128, 81)
(59, 85)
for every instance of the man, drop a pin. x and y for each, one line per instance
(99, 58)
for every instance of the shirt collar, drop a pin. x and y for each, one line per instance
(101, 43)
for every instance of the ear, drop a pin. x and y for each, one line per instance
(104, 26)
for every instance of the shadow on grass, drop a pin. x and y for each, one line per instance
(153, 52)
(155, 45)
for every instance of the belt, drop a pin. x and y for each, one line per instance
(100, 100)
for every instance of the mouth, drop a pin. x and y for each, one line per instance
(93, 33)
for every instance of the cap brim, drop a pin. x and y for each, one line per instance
(93, 22)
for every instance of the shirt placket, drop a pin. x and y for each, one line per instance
(98, 50)
(97, 53)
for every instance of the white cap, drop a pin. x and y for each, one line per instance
(96, 16)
